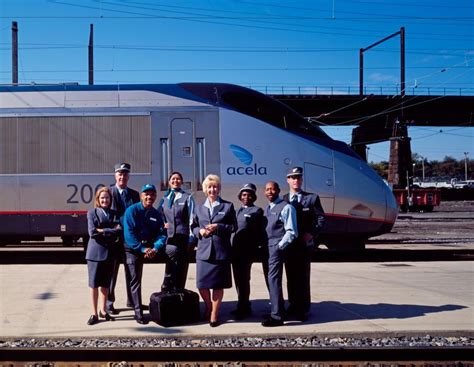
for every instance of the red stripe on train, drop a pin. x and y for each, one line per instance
(81, 212)
(45, 212)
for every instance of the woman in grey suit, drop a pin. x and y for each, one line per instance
(104, 231)
(213, 224)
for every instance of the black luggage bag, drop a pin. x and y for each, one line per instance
(174, 308)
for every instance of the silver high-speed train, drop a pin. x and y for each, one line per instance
(58, 144)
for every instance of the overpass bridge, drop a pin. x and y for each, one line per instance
(380, 118)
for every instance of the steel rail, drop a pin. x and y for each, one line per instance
(160, 354)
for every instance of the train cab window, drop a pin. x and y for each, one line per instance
(271, 111)
(255, 104)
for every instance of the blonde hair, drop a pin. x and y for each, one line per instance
(211, 179)
(97, 195)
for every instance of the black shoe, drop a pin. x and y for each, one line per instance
(214, 323)
(92, 320)
(141, 320)
(271, 322)
(297, 314)
(107, 316)
(111, 310)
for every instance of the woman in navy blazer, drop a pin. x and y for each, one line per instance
(104, 231)
(213, 224)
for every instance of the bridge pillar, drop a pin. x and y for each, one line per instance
(400, 168)
(361, 150)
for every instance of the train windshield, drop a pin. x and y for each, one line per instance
(257, 105)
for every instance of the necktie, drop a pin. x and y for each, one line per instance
(171, 198)
(123, 195)
(294, 200)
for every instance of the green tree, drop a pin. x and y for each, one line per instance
(381, 168)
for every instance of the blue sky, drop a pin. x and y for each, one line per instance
(263, 44)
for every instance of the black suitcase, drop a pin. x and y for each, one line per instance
(174, 308)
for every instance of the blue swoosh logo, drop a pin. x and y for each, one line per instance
(241, 154)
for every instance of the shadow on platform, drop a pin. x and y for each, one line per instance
(333, 311)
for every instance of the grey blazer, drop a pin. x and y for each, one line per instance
(219, 243)
(100, 243)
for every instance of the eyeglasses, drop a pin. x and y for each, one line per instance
(294, 177)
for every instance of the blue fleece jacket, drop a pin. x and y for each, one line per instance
(143, 228)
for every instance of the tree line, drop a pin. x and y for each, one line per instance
(448, 167)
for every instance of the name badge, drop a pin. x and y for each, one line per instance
(247, 215)
(153, 219)
(305, 209)
(181, 203)
(221, 213)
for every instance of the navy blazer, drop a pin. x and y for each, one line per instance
(250, 234)
(100, 243)
(132, 197)
(219, 242)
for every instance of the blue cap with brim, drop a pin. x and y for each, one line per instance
(148, 187)
(295, 171)
(122, 167)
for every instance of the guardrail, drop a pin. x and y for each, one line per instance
(354, 90)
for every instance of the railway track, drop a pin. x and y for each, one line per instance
(258, 355)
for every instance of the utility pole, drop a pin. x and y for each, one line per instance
(401, 32)
(423, 167)
(14, 53)
(465, 165)
(91, 55)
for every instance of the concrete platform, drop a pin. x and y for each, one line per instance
(433, 297)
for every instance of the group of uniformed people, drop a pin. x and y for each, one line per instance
(125, 226)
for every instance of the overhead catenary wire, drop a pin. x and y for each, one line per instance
(194, 18)
(208, 48)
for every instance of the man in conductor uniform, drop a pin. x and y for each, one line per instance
(310, 220)
(122, 197)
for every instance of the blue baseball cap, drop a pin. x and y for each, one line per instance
(148, 187)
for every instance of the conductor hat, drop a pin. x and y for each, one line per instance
(122, 167)
(250, 187)
(148, 187)
(295, 171)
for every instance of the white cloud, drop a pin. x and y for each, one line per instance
(380, 78)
